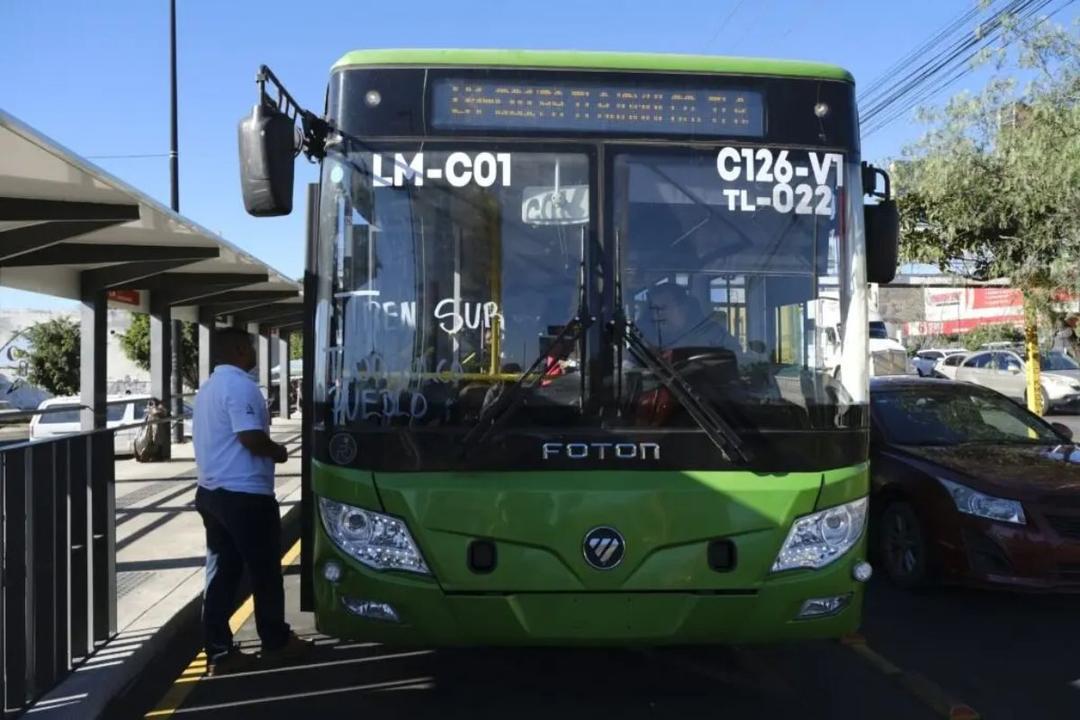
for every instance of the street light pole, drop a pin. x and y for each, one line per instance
(174, 177)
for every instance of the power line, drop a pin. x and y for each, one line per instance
(961, 66)
(723, 23)
(885, 104)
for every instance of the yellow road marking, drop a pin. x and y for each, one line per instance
(923, 689)
(176, 695)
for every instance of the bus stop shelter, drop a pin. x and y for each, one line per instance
(71, 230)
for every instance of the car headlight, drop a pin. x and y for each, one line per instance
(818, 539)
(379, 541)
(982, 505)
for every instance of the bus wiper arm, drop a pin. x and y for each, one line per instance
(723, 435)
(499, 412)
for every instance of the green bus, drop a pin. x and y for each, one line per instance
(565, 352)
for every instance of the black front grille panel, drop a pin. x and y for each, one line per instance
(1065, 525)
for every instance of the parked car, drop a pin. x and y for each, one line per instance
(120, 410)
(947, 366)
(1004, 371)
(968, 487)
(926, 360)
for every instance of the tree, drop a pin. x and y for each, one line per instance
(135, 343)
(53, 358)
(993, 190)
(296, 345)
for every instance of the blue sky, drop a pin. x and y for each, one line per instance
(94, 76)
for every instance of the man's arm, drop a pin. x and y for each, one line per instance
(259, 444)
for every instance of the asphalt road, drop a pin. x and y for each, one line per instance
(925, 655)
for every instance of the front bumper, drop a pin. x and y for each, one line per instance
(1035, 557)
(431, 616)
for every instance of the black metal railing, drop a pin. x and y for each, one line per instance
(58, 550)
(58, 545)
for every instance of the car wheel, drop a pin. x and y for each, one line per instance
(902, 546)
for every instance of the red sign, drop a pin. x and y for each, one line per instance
(996, 298)
(129, 297)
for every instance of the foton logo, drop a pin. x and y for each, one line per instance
(601, 451)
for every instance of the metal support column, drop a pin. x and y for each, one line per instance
(207, 349)
(176, 377)
(262, 338)
(284, 381)
(161, 354)
(93, 339)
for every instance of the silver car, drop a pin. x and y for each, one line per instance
(1004, 371)
(926, 360)
(947, 366)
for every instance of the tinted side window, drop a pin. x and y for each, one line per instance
(979, 361)
(1006, 361)
(954, 360)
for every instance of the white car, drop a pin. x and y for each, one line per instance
(927, 360)
(1004, 371)
(120, 410)
(947, 366)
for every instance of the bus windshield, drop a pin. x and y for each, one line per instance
(445, 274)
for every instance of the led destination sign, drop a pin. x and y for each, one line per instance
(595, 107)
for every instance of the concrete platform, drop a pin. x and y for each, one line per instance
(160, 555)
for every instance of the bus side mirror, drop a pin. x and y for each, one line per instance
(267, 151)
(882, 241)
(882, 223)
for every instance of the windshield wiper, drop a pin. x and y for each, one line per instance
(512, 398)
(722, 434)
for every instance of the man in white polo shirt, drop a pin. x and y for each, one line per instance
(235, 458)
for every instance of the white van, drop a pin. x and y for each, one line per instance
(120, 410)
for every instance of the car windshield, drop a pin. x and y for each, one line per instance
(1057, 361)
(955, 415)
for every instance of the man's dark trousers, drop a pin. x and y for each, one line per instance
(242, 529)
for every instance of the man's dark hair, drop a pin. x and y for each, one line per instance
(229, 341)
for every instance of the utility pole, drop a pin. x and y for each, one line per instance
(174, 176)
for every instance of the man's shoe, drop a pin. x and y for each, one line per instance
(228, 662)
(293, 648)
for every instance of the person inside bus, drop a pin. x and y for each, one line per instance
(673, 318)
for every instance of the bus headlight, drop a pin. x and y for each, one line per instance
(818, 539)
(379, 541)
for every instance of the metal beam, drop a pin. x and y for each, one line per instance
(181, 286)
(94, 253)
(273, 310)
(235, 299)
(29, 209)
(33, 237)
(128, 273)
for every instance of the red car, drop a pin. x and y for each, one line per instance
(968, 487)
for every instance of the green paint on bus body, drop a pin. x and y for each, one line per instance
(584, 60)
(542, 592)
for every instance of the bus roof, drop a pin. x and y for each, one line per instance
(584, 60)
